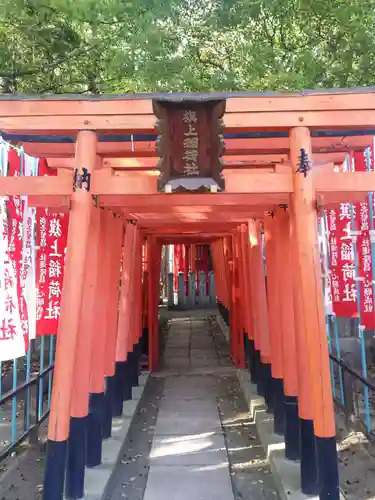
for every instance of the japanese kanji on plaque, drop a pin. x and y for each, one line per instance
(190, 142)
(52, 232)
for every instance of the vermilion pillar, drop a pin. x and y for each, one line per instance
(218, 273)
(272, 236)
(97, 351)
(111, 318)
(186, 268)
(262, 354)
(193, 258)
(145, 347)
(239, 299)
(233, 314)
(63, 382)
(312, 311)
(123, 377)
(138, 300)
(227, 263)
(133, 346)
(222, 271)
(309, 465)
(154, 252)
(76, 463)
(248, 305)
(287, 326)
(245, 294)
(216, 249)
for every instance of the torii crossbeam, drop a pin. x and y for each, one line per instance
(282, 150)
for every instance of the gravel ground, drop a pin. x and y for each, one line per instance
(21, 474)
(356, 463)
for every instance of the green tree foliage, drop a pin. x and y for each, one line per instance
(91, 46)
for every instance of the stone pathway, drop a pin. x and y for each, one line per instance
(194, 438)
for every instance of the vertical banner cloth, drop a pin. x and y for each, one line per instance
(176, 265)
(12, 339)
(15, 208)
(362, 232)
(52, 233)
(324, 256)
(341, 261)
(28, 277)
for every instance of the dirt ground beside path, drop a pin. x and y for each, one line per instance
(21, 474)
(356, 463)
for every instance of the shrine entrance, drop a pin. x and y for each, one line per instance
(236, 173)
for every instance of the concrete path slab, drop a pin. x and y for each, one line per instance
(169, 424)
(189, 408)
(201, 449)
(188, 483)
(204, 363)
(190, 392)
(203, 353)
(176, 364)
(188, 447)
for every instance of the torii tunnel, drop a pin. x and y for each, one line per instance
(277, 173)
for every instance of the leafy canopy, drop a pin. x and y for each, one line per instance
(90, 46)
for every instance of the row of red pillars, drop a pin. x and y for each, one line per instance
(270, 293)
(109, 308)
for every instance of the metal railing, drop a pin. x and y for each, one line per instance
(25, 394)
(355, 395)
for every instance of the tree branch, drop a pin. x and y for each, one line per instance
(270, 37)
(208, 62)
(52, 65)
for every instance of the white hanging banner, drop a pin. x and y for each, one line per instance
(12, 343)
(28, 285)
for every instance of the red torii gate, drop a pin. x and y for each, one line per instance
(110, 190)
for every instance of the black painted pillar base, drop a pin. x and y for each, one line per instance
(137, 369)
(127, 388)
(119, 381)
(138, 353)
(327, 468)
(133, 367)
(94, 430)
(54, 471)
(266, 384)
(144, 342)
(309, 463)
(224, 313)
(278, 406)
(245, 350)
(109, 400)
(75, 468)
(219, 307)
(130, 361)
(251, 353)
(259, 375)
(292, 430)
(256, 372)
